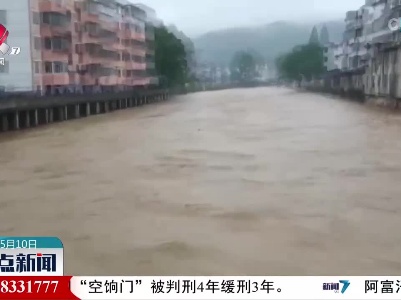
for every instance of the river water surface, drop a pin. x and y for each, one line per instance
(261, 181)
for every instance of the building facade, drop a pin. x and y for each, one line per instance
(369, 56)
(152, 21)
(75, 46)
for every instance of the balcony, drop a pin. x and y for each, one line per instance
(138, 52)
(109, 26)
(52, 55)
(126, 81)
(142, 81)
(47, 30)
(111, 47)
(377, 2)
(53, 6)
(90, 39)
(119, 47)
(111, 44)
(90, 18)
(135, 66)
(129, 65)
(56, 79)
(121, 64)
(109, 80)
(87, 59)
(112, 64)
(132, 35)
(88, 79)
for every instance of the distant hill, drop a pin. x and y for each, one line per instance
(269, 40)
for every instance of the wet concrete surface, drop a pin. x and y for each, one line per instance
(263, 181)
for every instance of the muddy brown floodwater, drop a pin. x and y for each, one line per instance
(263, 181)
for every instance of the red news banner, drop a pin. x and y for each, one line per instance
(200, 288)
(36, 287)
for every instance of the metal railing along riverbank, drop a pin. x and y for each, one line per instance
(31, 111)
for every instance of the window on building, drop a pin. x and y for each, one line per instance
(36, 18)
(3, 17)
(37, 43)
(59, 67)
(37, 67)
(358, 33)
(126, 57)
(5, 68)
(48, 67)
(45, 18)
(48, 43)
(57, 20)
(57, 44)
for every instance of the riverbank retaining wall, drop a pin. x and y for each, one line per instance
(345, 84)
(26, 112)
(377, 83)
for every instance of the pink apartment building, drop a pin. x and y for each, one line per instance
(79, 45)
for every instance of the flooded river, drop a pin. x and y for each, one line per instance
(261, 181)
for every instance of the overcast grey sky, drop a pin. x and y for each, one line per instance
(195, 17)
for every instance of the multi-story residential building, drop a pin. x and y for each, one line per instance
(152, 21)
(370, 53)
(151, 15)
(366, 29)
(75, 45)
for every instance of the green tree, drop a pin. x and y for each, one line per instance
(324, 35)
(170, 58)
(303, 62)
(314, 36)
(243, 67)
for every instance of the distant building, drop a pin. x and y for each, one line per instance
(333, 57)
(266, 72)
(370, 52)
(364, 28)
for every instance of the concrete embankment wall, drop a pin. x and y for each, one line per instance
(26, 112)
(347, 86)
(379, 83)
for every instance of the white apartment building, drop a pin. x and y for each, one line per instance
(365, 28)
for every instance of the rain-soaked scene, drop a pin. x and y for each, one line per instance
(204, 137)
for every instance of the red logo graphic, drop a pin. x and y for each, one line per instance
(3, 34)
(3, 37)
